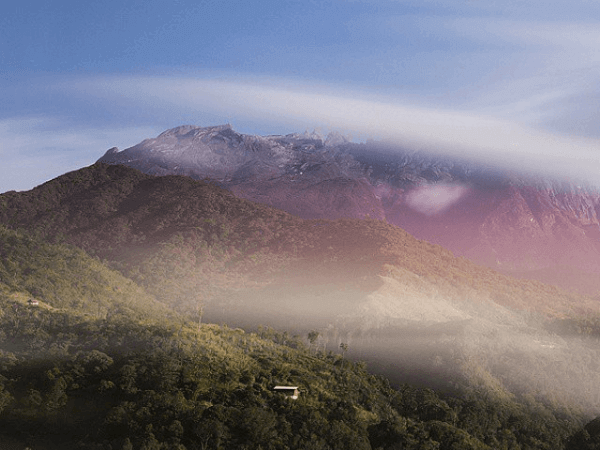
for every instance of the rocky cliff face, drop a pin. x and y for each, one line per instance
(524, 225)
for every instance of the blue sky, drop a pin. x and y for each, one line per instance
(509, 82)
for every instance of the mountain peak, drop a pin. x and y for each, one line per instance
(187, 129)
(335, 138)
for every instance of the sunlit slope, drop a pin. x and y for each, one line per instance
(62, 277)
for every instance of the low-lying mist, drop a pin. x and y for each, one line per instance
(413, 333)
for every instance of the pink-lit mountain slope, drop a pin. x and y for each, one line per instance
(521, 224)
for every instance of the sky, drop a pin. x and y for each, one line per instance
(509, 82)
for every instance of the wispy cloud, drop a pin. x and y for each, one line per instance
(547, 65)
(472, 134)
(512, 67)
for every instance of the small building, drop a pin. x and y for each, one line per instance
(289, 391)
(33, 302)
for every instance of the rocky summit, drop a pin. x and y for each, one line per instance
(518, 223)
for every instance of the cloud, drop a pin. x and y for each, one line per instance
(435, 198)
(492, 140)
(550, 64)
(540, 70)
(539, 9)
(513, 67)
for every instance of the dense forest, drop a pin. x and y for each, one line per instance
(75, 376)
(105, 275)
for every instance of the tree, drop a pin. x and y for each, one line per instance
(588, 438)
(199, 311)
(56, 396)
(312, 337)
(5, 397)
(344, 348)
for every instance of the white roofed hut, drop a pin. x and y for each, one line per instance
(289, 391)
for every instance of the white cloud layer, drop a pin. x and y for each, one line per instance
(511, 83)
(492, 140)
(436, 198)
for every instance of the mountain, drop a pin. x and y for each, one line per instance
(411, 309)
(518, 223)
(157, 229)
(98, 363)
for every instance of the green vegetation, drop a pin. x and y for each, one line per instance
(588, 438)
(62, 277)
(104, 361)
(94, 366)
(74, 381)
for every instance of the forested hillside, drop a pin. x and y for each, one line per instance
(119, 351)
(118, 384)
(217, 258)
(63, 277)
(74, 376)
